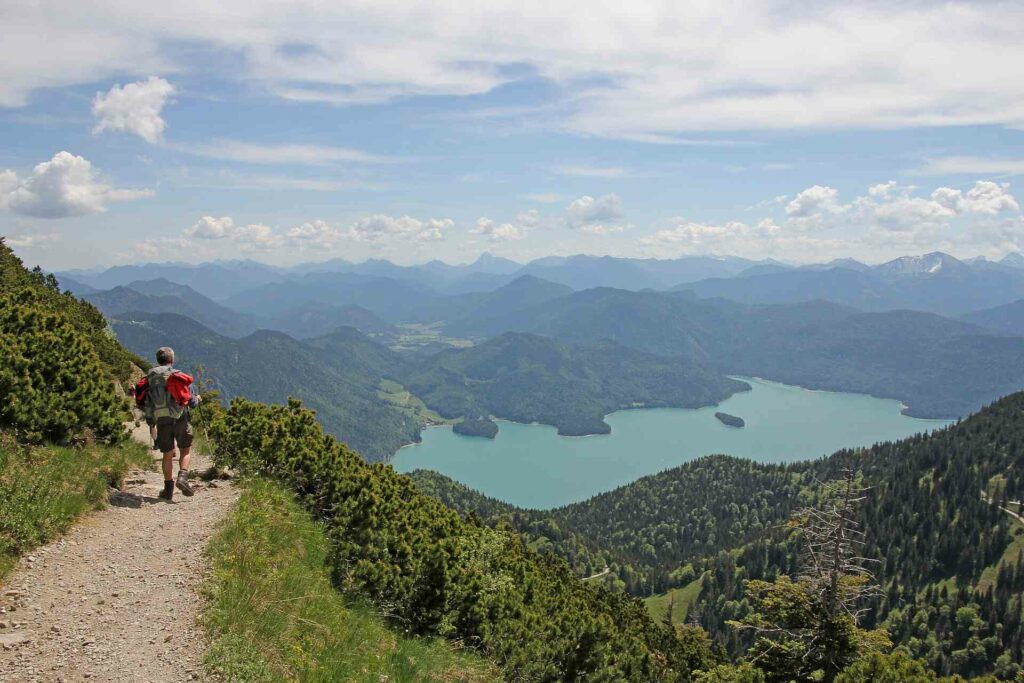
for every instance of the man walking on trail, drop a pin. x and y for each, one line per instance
(168, 398)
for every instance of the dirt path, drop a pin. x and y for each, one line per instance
(116, 599)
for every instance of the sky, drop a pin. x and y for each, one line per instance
(135, 131)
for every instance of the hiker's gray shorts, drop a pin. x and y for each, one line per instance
(169, 432)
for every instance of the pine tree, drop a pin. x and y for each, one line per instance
(807, 629)
(53, 386)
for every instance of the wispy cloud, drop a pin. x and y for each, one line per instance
(660, 75)
(283, 154)
(594, 171)
(975, 166)
(544, 197)
(243, 181)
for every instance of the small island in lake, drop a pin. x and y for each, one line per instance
(476, 426)
(731, 420)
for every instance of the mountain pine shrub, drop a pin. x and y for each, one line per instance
(53, 386)
(433, 572)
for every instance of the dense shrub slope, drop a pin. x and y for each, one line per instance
(438, 573)
(274, 615)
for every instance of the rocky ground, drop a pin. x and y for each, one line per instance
(116, 599)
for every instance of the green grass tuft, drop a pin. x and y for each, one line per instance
(273, 614)
(44, 489)
(684, 597)
(1009, 557)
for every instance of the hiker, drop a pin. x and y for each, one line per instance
(138, 392)
(168, 397)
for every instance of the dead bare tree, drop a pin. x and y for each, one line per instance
(807, 628)
(833, 542)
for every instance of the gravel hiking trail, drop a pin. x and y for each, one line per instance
(116, 599)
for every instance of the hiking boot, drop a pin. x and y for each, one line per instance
(183, 485)
(167, 493)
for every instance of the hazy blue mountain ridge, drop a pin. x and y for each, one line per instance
(164, 296)
(1005, 319)
(936, 283)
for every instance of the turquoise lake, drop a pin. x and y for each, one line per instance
(532, 466)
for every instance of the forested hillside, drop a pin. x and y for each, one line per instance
(949, 561)
(164, 296)
(270, 366)
(1007, 319)
(518, 377)
(939, 367)
(527, 378)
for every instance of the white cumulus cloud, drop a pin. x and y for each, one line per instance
(256, 237)
(497, 232)
(989, 198)
(162, 248)
(811, 207)
(210, 228)
(253, 237)
(888, 218)
(317, 233)
(379, 227)
(599, 216)
(30, 240)
(134, 108)
(66, 185)
(524, 222)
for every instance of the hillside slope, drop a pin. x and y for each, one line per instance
(271, 366)
(1006, 319)
(939, 367)
(940, 545)
(528, 378)
(163, 296)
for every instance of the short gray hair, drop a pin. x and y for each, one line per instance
(165, 355)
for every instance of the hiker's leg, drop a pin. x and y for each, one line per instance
(168, 465)
(183, 435)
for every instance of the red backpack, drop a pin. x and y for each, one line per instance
(140, 393)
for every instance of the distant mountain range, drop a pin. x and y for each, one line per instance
(842, 326)
(935, 282)
(304, 320)
(223, 279)
(1007, 319)
(163, 296)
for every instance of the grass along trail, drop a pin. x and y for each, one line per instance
(116, 598)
